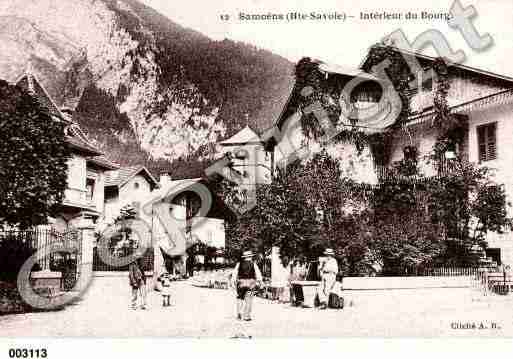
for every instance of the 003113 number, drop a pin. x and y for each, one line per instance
(28, 353)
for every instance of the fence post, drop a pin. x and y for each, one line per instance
(86, 227)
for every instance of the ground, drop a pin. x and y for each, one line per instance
(200, 312)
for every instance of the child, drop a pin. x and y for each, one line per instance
(164, 287)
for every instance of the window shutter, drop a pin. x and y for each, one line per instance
(487, 142)
(492, 148)
(482, 152)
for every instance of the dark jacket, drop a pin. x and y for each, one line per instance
(247, 270)
(136, 274)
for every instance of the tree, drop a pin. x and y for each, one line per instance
(403, 241)
(282, 217)
(308, 207)
(438, 220)
(469, 204)
(33, 160)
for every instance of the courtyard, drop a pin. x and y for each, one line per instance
(200, 312)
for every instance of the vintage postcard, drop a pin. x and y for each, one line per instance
(255, 169)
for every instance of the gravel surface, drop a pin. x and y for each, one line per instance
(200, 312)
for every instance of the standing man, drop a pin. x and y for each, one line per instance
(189, 265)
(137, 280)
(245, 277)
(328, 270)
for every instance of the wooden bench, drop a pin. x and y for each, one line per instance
(497, 282)
(501, 286)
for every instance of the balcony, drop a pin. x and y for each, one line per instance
(75, 197)
(442, 168)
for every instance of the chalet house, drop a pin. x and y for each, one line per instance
(483, 102)
(126, 185)
(83, 200)
(182, 202)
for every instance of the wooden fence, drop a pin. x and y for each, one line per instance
(436, 271)
(447, 271)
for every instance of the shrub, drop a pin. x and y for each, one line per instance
(13, 254)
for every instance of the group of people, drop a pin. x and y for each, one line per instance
(246, 278)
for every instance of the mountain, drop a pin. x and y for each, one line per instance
(146, 89)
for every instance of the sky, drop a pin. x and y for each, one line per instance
(344, 42)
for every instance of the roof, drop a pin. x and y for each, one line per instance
(347, 71)
(172, 187)
(498, 98)
(336, 69)
(103, 162)
(121, 176)
(31, 84)
(432, 59)
(76, 144)
(179, 183)
(75, 137)
(78, 141)
(246, 135)
(328, 69)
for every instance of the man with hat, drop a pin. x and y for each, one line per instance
(328, 270)
(245, 277)
(137, 280)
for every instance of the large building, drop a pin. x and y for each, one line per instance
(481, 101)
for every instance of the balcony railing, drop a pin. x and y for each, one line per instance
(75, 196)
(441, 169)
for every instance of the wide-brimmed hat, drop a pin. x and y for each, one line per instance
(247, 254)
(329, 252)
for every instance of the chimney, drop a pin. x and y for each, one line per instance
(165, 179)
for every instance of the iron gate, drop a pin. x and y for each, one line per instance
(19, 245)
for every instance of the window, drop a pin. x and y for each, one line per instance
(136, 185)
(487, 142)
(89, 189)
(425, 82)
(410, 153)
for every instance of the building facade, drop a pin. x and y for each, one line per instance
(83, 202)
(481, 101)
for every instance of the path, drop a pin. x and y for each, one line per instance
(198, 312)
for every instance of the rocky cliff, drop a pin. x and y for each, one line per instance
(145, 88)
